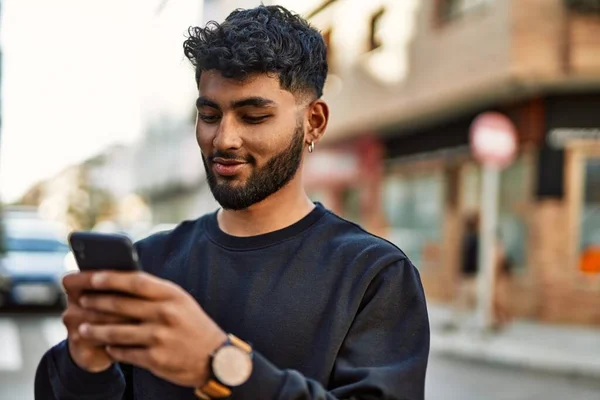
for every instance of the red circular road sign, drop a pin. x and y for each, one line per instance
(493, 139)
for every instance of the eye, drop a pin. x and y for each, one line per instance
(209, 119)
(255, 119)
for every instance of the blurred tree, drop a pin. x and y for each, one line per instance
(72, 198)
(87, 204)
(102, 206)
(584, 6)
(33, 196)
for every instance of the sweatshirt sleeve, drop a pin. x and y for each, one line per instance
(384, 355)
(58, 377)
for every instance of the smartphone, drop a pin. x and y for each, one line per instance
(95, 251)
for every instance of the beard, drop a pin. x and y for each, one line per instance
(262, 182)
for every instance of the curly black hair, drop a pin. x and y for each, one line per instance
(265, 39)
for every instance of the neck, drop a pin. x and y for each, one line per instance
(280, 210)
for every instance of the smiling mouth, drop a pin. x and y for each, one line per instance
(227, 167)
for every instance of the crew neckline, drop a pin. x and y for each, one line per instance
(264, 240)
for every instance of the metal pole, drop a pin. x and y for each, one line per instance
(487, 247)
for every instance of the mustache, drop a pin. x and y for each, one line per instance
(231, 156)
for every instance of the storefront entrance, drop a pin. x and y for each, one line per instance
(584, 193)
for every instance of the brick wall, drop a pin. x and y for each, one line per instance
(442, 278)
(538, 32)
(565, 296)
(451, 64)
(551, 289)
(584, 48)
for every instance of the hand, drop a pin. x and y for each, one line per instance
(88, 354)
(174, 336)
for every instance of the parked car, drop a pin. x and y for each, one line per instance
(36, 258)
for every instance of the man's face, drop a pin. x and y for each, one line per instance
(251, 135)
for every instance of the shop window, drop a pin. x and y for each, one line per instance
(471, 187)
(589, 243)
(512, 226)
(414, 209)
(514, 194)
(320, 8)
(584, 6)
(375, 40)
(448, 10)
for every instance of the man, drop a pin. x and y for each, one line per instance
(272, 296)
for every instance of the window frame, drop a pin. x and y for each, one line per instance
(374, 41)
(442, 17)
(577, 153)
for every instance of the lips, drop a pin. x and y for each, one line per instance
(227, 167)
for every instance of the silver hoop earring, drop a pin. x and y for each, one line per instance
(311, 147)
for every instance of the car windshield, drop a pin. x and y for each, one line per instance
(32, 244)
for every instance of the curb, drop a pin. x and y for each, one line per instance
(497, 351)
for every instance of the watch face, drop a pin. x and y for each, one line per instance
(232, 366)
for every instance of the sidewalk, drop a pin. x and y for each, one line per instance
(559, 349)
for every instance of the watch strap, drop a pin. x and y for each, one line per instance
(239, 343)
(214, 389)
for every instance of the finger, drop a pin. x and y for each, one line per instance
(74, 316)
(120, 334)
(139, 284)
(138, 356)
(77, 282)
(99, 318)
(73, 298)
(123, 306)
(76, 338)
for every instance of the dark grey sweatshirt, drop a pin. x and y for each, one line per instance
(332, 312)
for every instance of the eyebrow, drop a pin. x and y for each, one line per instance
(255, 101)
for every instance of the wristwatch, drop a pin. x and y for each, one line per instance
(230, 365)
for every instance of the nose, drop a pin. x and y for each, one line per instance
(228, 135)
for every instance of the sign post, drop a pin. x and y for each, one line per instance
(494, 146)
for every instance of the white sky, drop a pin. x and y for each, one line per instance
(79, 75)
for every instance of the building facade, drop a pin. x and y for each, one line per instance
(98, 193)
(402, 102)
(169, 174)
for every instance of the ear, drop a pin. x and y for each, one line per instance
(318, 117)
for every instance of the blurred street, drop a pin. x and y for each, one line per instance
(25, 337)
(464, 132)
